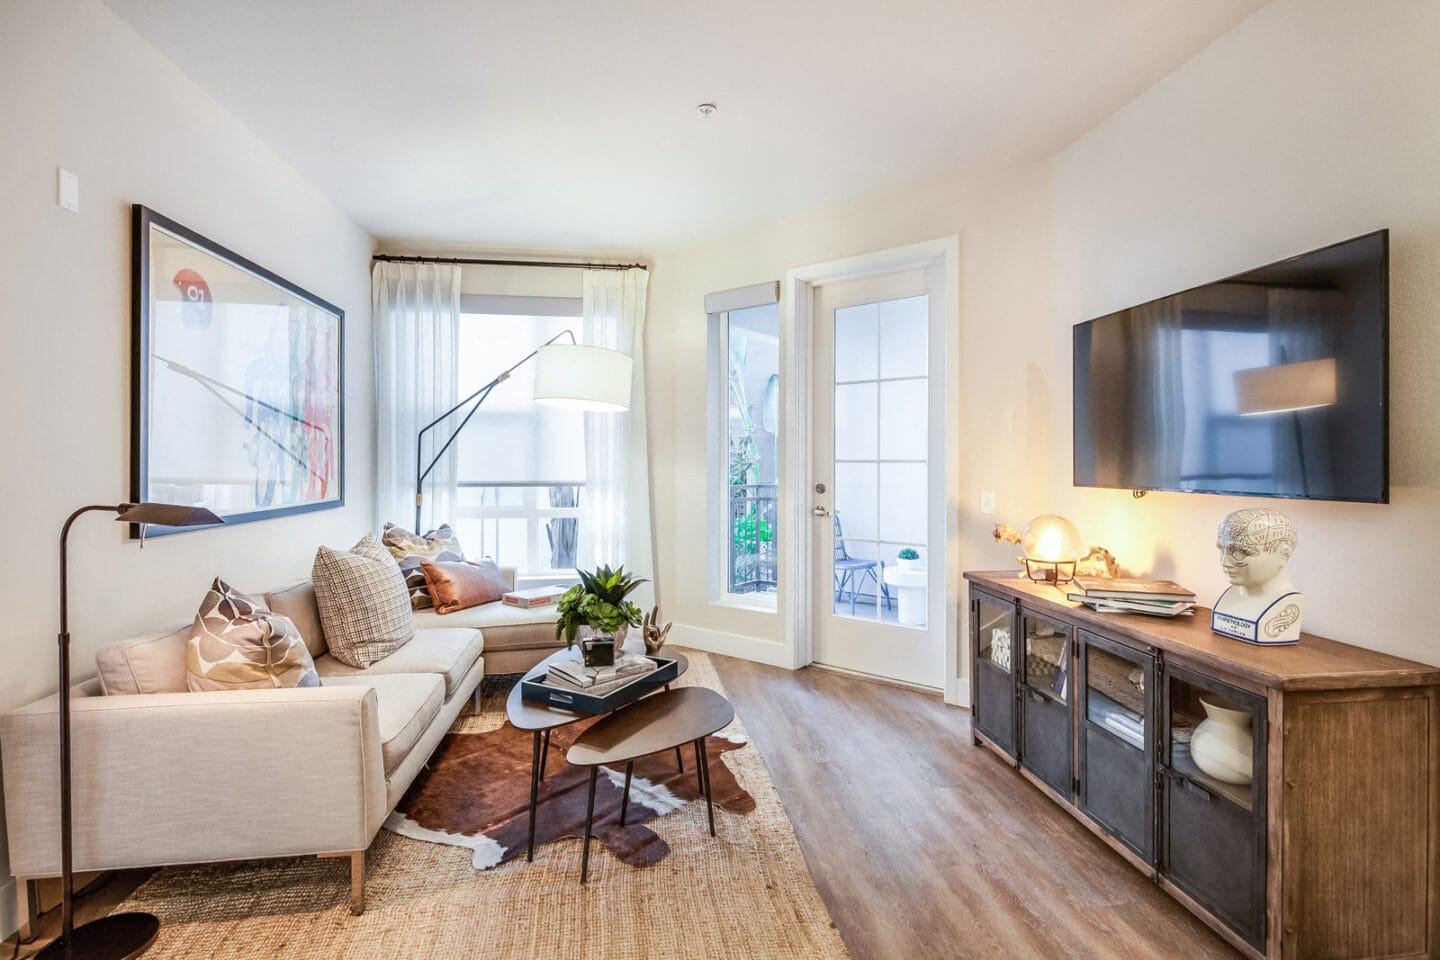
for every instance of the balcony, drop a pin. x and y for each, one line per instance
(753, 526)
(533, 525)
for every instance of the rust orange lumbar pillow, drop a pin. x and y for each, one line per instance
(456, 586)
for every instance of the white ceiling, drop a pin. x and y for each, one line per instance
(571, 124)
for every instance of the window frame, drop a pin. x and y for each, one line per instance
(718, 307)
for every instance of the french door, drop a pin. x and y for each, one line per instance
(879, 468)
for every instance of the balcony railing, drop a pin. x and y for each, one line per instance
(535, 525)
(753, 532)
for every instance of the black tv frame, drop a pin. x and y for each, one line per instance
(1384, 235)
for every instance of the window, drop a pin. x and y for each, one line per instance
(744, 441)
(521, 465)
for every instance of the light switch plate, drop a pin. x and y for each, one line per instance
(68, 191)
(987, 501)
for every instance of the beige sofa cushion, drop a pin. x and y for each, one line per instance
(363, 603)
(503, 626)
(448, 653)
(152, 664)
(408, 703)
(298, 603)
(238, 643)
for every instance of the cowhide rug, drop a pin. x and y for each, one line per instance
(476, 794)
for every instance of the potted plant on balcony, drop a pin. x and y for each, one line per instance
(908, 559)
(597, 605)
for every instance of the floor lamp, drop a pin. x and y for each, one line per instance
(566, 375)
(121, 935)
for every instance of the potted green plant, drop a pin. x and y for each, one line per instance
(908, 559)
(598, 606)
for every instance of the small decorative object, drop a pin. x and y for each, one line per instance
(1097, 562)
(908, 559)
(597, 605)
(239, 381)
(1222, 745)
(1004, 533)
(1049, 546)
(1000, 647)
(653, 633)
(1260, 605)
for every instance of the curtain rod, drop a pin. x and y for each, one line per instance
(568, 264)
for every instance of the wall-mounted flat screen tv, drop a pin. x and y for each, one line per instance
(1270, 383)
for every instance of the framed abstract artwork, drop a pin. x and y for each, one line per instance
(237, 384)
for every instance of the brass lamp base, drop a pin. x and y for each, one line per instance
(1049, 571)
(118, 937)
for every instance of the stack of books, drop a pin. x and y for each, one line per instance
(537, 597)
(598, 681)
(1156, 598)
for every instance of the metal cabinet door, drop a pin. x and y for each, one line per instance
(1116, 703)
(993, 661)
(1047, 729)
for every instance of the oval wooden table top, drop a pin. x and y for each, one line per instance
(527, 715)
(657, 723)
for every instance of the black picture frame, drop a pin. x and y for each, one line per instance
(292, 442)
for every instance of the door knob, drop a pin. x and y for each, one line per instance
(821, 512)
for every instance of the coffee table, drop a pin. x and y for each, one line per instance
(541, 719)
(655, 724)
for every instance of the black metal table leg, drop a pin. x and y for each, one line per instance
(545, 755)
(589, 822)
(534, 795)
(679, 760)
(625, 797)
(699, 768)
(705, 766)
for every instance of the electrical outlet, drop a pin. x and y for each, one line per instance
(987, 501)
(67, 190)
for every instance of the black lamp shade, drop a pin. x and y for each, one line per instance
(166, 514)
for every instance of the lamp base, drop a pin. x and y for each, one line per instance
(117, 937)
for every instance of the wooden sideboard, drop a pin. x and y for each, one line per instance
(1329, 851)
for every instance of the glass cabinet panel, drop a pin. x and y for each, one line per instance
(1115, 695)
(1214, 738)
(1047, 658)
(993, 642)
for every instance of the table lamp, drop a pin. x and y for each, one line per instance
(1049, 546)
(122, 935)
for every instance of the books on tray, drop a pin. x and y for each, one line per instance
(574, 675)
(537, 597)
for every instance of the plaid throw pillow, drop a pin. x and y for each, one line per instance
(364, 606)
(410, 550)
(237, 643)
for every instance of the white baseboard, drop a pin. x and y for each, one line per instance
(731, 645)
(9, 909)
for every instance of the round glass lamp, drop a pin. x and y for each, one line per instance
(1050, 545)
(582, 378)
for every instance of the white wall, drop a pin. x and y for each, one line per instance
(1002, 221)
(78, 88)
(1311, 122)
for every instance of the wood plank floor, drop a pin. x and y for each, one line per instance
(923, 845)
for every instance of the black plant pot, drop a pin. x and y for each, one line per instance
(598, 651)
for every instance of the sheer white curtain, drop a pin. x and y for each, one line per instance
(416, 310)
(617, 468)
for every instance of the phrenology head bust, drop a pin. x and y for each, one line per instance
(1255, 544)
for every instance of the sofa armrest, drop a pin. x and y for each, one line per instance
(195, 777)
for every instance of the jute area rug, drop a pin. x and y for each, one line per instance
(744, 894)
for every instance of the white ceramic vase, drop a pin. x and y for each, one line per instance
(1222, 745)
(908, 563)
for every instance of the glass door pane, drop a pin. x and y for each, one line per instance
(1115, 695)
(1047, 658)
(1213, 739)
(992, 634)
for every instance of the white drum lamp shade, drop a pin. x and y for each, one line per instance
(582, 378)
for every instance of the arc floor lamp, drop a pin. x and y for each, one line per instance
(121, 935)
(572, 375)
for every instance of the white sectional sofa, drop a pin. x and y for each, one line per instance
(165, 776)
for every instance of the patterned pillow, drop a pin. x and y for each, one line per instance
(237, 643)
(410, 550)
(364, 606)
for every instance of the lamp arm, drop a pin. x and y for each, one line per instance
(67, 912)
(421, 469)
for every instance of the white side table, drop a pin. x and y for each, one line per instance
(909, 587)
